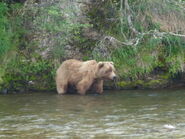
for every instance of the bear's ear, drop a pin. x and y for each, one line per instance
(100, 65)
(112, 63)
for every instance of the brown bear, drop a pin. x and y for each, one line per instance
(83, 75)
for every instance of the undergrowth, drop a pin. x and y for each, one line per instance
(166, 52)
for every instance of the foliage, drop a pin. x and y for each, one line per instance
(26, 74)
(34, 36)
(136, 62)
(152, 52)
(10, 33)
(5, 31)
(39, 23)
(10, 27)
(55, 25)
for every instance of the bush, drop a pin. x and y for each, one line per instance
(26, 74)
(166, 54)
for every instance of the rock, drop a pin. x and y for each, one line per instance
(5, 91)
(48, 25)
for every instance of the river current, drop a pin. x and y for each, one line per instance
(133, 114)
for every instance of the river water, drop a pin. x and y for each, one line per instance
(115, 114)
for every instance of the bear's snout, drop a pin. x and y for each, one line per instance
(114, 78)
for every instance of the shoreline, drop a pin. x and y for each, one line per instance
(107, 87)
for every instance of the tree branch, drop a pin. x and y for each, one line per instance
(129, 18)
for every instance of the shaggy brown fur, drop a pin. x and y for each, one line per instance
(83, 75)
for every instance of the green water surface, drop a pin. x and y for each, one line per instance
(143, 114)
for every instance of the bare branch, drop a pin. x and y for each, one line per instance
(129, 17)
(174, 34)
(121, 18)
(136, 41)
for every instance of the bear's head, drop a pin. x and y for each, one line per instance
(106, 70)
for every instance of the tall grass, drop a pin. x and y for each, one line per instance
(10, 33)
(167, 54)
(5, 30)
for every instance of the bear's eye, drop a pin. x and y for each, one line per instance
(110, 70)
